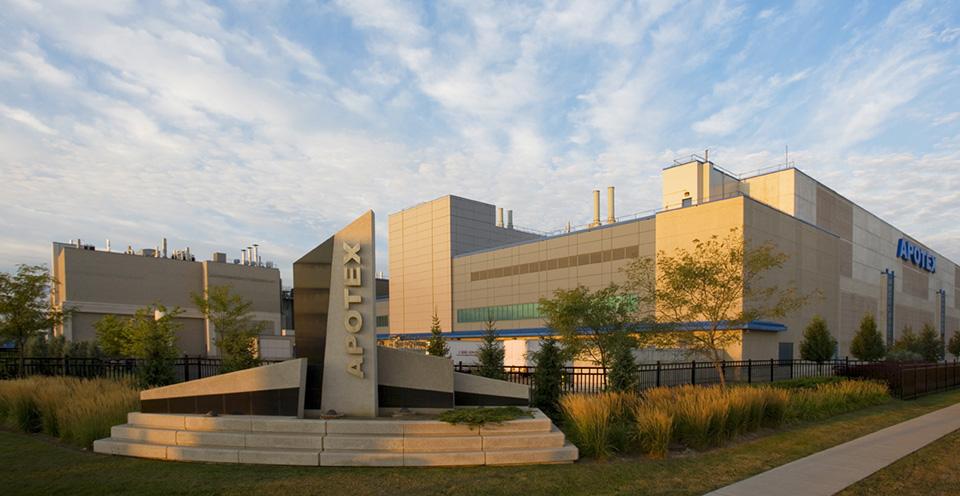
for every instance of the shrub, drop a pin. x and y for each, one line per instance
(491, 353)
(547, 377)
(479, 416)
(929, 345)
(624, 372)
(818, 345)
(868, 344)
(437, 345)
(77, 411)
(904, 356)
(954, 345)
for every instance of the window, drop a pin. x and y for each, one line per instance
(383, 320)
(520, 311)
(687, 202)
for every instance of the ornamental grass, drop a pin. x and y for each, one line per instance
(77, 411)
(701, 417)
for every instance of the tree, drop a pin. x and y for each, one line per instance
(908, 341)
(701, 298)
(818, 345)
(437, 346)
(112, 335)
(929, 345)
(954, 345)
(491, 353)
(548, 361)
(906, 348)
(624, 372)
(25, 308)
(590, 323)
(236, 330)
(868, 344)
(153, 339)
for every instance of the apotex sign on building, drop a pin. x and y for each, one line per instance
(916, 255)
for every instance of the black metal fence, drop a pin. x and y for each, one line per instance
(594, 379)
(906, 380)
(186, 368)
(909, 380)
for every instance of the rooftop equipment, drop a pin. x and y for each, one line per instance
(611, 218)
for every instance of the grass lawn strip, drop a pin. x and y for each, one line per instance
(931, 470)
(33, 466)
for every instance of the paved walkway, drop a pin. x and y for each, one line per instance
(832, 470)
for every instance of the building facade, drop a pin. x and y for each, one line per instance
(851, 260)
(92, 283)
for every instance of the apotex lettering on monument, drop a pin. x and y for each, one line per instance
(916, 255)
(352, 319)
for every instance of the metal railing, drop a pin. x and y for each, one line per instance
(594, 379)
(909, 381)
(185, 368)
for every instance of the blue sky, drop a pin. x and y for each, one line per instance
(276, 123)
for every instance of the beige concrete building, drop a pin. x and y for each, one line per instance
(93, 283)
(857, 262)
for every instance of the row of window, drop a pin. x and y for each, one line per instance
(558, 263)
(383, 320)
(519, 311)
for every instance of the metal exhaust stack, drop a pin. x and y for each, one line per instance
(500, 217)
(596, 208)
(509, 219)
(611, 218)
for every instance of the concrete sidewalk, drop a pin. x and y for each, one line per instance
(832, 470)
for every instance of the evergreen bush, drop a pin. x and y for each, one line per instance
(548, 376)
(868, 344)
(818, 345)
(437, 345)
(491, 353)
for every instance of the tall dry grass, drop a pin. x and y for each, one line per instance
(77, 411)
(701, 417)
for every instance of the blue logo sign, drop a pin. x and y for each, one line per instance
(916, 255)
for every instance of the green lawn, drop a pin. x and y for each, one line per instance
(38, 465)
(934, 469)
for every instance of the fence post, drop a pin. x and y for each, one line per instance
(658, 373)
(792, 360)
(186, 368)
(693, 373)
(771, 370)
(749, 371)
(66, 365)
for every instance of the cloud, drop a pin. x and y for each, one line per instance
(221, 126)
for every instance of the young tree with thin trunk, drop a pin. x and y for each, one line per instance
(590, 324)
(236, 330)
(437, 345)
(491, 353)
(701, 298)
(25, 309)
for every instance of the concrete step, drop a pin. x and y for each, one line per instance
(338, 442)
(224, 439)
(267, 456)
(566, 454)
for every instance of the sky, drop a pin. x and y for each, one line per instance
(219, 126)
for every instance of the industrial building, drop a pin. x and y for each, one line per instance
(92, 283)
(456, 258)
